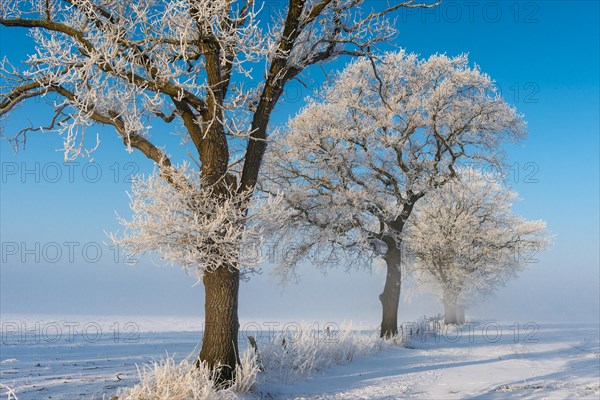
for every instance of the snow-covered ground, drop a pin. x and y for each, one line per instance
(72, 369)
(558, 361)
(488, 360)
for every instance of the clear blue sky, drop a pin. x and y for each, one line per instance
(544, 56)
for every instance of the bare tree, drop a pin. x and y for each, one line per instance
(188, 63)
(464, 240)
(353, 163)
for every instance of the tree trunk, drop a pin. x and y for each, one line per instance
(390, 297)
(220, 341)
(454, 313)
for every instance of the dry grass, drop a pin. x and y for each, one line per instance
(167, 379)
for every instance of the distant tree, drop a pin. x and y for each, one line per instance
(353, 163)
(189, 63)
(464, 241)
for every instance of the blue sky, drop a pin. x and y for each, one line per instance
(544, 56)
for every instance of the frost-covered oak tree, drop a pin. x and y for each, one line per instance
(463, 240)
(353, 163)
(214, 70)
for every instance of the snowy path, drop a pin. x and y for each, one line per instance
(563, 363)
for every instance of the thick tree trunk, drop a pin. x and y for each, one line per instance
(454, 313)
(390, 297)
(220, 342)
